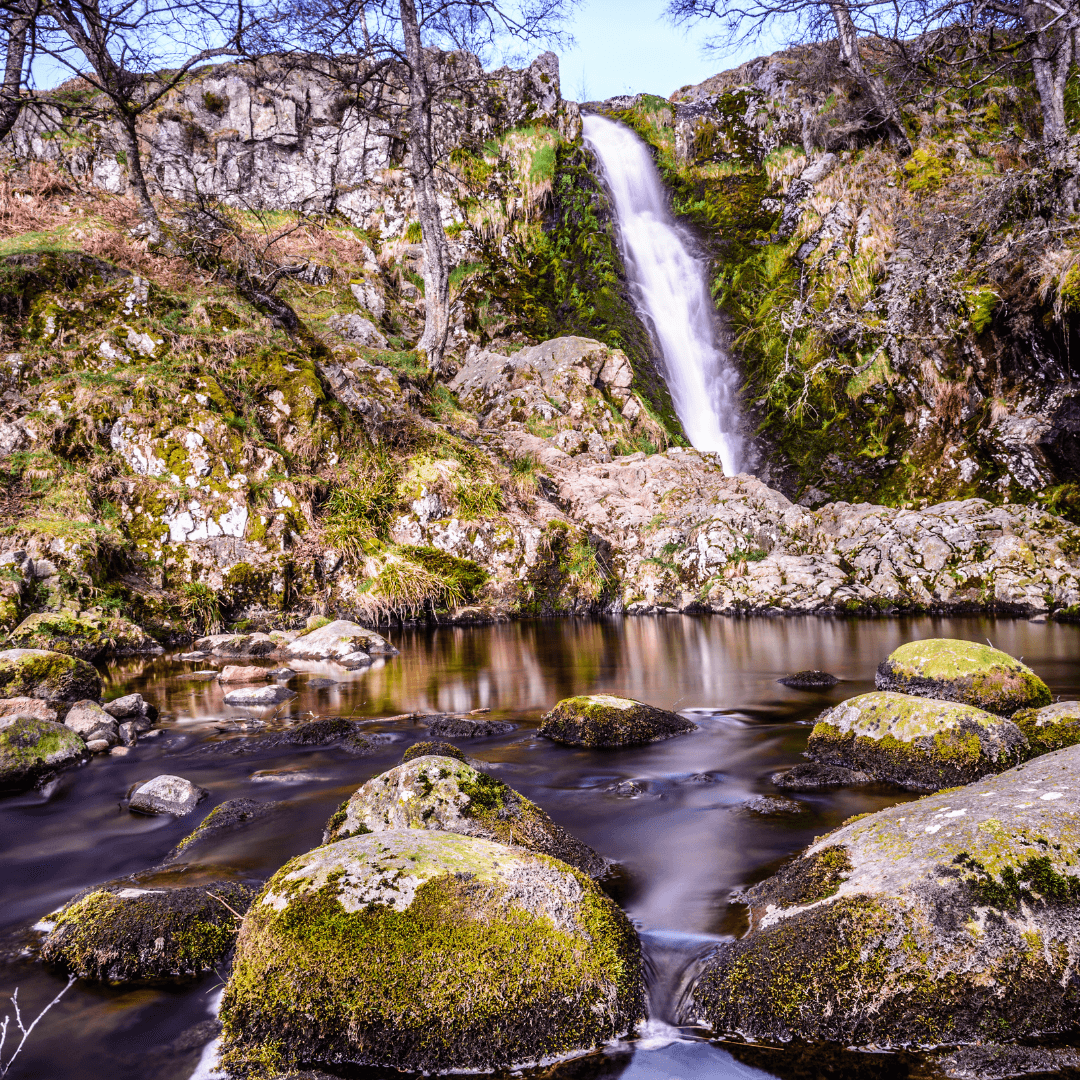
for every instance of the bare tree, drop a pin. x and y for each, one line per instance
(415, 46)
(802, 20)
(17, 23)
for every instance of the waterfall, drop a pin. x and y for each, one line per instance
(670, 291)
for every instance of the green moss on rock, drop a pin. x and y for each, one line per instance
(31, 750)
(427, 951)
(603, 720)
(921, 744)
(430, 747)
(1052, 727)
(447, 794)
(963, 671)
(51, 676)
(125, 930)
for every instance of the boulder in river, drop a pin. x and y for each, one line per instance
(445, 794)
(947, 920)
(339, 640)
(32, 750)
(466, 727)
(919, 743)
(257, 644)
(225, 817)
(812, 776)
(132, 707)
(603, 720)
(50, 676)
(964, 671)
(432, 748)
(166, 794)
(809, 680)
(135, 929)
(259, 697)
(1052, 727)
(243, 673)
(427, 951)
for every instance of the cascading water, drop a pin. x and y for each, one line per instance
(671, 292)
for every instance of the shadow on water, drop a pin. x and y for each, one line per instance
(671, 815)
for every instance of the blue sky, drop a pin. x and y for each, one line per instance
(626, 47)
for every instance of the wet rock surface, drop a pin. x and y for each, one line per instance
(33, 750)
(326, 731)
(466, 727)
(964, 671)
(443, 793)
(809, 680)
(428, 951)
(166, 794)
(260, 697)
(147, 927)
(225, 817)
(603, 720)
(948, 917)
(919, 743)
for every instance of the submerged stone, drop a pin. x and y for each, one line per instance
(809, 680)
(1052, 727)
(50, 676)
(32, 750)
(445, 794)
(427, 951)
(812, 775)
(467, 727)
(964, 671)
(918, 743)
(225, 817)
(950, 919)
(603, 720)
(135, 929)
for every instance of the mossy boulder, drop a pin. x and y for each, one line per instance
(225, 818)
(138, 928)
(449, 795)
(948, 920)
(88, 635)
(432, 748)
(963, 671)
(50, 676)
(427, 951)
(603, 720)
(1053, 727)
(32, 750)
(918, 743)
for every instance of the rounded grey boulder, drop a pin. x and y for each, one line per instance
(166, 794)
(259, 697)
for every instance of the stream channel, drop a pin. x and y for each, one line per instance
(671, 814)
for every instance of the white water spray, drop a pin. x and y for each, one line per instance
(670, 290)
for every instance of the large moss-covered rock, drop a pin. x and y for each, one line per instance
(86, 634)
(431, 951)
(145, 927)
(31, 750)
(1052, 727)
(963, 671)
(51, 676)
(446, 794)
(948, 920)
(919, 743)
(601, 720)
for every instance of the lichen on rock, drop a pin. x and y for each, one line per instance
(919, 743)
(1053, 727)
(427, 951)
(964, 671)
(51, 676)
(32, 750)
(443, 793)
(604, 720)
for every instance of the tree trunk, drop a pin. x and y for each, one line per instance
(11, 102)
(883, 101)
(1051, 52)
(130, 138)
(422, 170)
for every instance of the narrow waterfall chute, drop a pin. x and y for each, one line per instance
(671, 291)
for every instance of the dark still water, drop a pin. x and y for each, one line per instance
(673, 814)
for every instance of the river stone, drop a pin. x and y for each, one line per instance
(445, 794)
(809, 680)
(243, 673)
(427, 951)
(430, 747)
(237, 644)
(1052, 727)
(812, 775)
(50, 676)
(918, 743)
(130, 707)
(964, 671)
(606, 720)
(224, 817)
(338, 640)
(131, 930)
(32, 750)
(34, 708)
(467, 727)
(90, 721)
(260, 697)
(951, 919)
(325, 731)
(166, 794)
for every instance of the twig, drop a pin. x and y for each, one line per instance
(220, 901)
(5, 1066)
